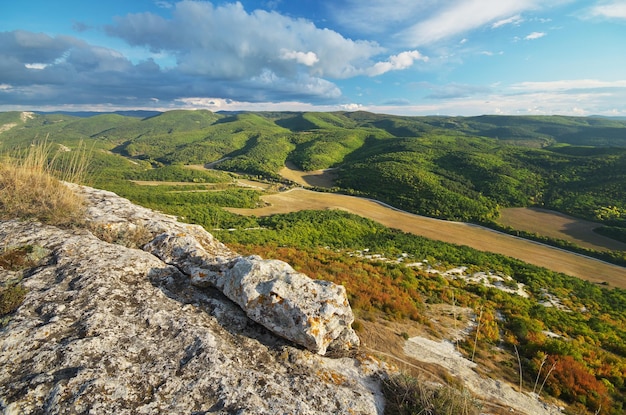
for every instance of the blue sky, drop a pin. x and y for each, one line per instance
(411, 57)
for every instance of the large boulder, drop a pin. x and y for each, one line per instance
(311, 313)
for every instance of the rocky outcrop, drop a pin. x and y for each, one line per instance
(314, 314)
(110, 329)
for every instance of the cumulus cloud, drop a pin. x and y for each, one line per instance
(220, 104)
(305, 58)
(27, 47)
(351, 107)
(396, 62)
(211, 50)
(228, 42)
(534, 35)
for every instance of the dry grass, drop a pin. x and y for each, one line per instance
(476, 237)
(130, 236)
(31, 187)
(319, 178)
(409, 395)
(557, 225)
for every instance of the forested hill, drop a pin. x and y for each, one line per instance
(462, 168)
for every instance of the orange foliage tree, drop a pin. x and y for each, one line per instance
(574, 383)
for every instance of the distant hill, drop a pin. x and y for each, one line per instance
(462, 168)
(86, 114)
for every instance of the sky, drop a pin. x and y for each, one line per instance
(406, 57)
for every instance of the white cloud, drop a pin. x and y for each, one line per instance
(396, 62)
(214, 104)
(614, 10)
(459, 16)
(36, 65)
(375, 16)
(308, 58)
(513, 20)
(535, 35)
(351, 107)
(226, 41)
(260, 60)
(578, 104)
(163, 4)
(582, 97)
(220, 104)
(564, 85)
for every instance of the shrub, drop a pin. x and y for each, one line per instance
(11, 297)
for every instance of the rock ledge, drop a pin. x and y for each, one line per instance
(110, 329)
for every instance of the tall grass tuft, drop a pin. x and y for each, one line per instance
(407, 395)
(31, 184)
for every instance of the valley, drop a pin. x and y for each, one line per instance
(551, 224)
(477, 237)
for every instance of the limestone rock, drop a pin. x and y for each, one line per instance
(308, 312)
(311, 313)
(110, 329)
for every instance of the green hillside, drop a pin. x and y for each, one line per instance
(461, 168)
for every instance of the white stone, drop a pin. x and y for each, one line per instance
(314, 314)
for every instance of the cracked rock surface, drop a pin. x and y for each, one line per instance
(110, 329)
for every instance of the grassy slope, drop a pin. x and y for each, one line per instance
(461, 168)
